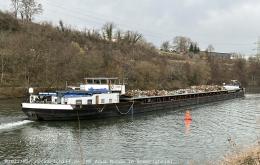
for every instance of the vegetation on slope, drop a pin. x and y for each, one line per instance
(46, 56)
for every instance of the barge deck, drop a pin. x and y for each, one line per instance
(126, 106)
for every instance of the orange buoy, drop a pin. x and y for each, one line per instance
(187, 122)
(187, 116)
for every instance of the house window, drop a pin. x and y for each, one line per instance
(110, 100)
(102, 101)
(89, 101)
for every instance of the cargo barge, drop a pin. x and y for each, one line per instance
(102, 98)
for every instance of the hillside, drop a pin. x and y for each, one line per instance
(42, 55)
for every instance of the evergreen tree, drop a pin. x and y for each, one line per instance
(196, 49)
(191, 49)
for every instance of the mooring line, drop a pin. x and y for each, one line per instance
(125, 113)
(100, 110)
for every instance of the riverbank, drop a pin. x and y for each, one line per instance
(12, 92)
(252, 90)
(247, 157)
(20, 92)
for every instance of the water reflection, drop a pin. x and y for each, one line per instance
(187, 121)
(187, 126)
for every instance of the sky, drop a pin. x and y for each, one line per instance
(229, 25)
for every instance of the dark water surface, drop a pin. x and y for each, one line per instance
(155, 138)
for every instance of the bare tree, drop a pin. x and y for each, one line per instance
(15, 6)
(165, 46)
(29, 8)
(136, 37)
(62, 28)
(210, 48)
(119, 36)
(107, 31)
(93, 34)
(181, 44)
(132, 37)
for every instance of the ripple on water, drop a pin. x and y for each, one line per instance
(160, 135)
(5, 126)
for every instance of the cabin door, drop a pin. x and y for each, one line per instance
(97, 99)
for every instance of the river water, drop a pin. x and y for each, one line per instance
(216, 129)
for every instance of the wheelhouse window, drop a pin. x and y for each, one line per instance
(89, 81)
(103, 81)
(96, 81)
(113, 81)
(89, 101)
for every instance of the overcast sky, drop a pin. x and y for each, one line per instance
(229, 25)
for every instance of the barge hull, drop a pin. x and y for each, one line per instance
(136, 106)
